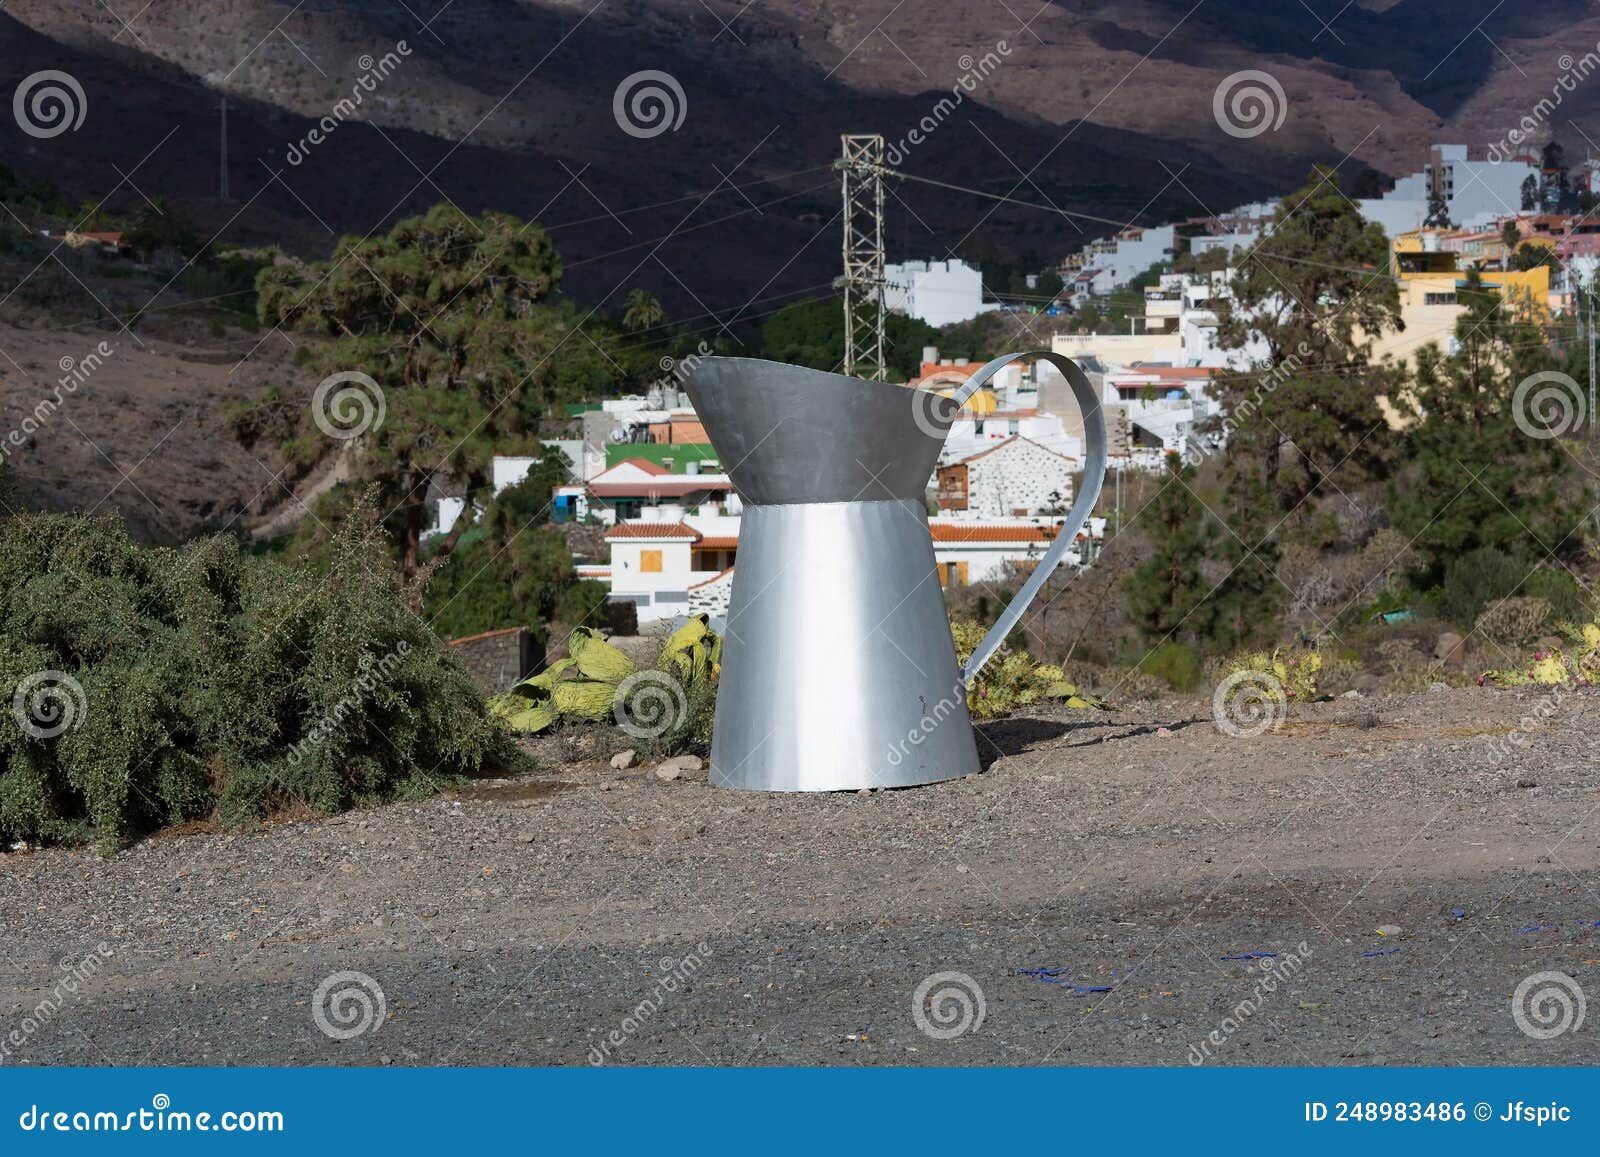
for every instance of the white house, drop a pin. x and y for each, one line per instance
(658, 566)
(1017, 478)
(639, 488)
(968, 551)
(938, 292)
(506, 470)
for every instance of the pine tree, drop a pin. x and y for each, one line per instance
(1314, 292)
(450, 317)
(1485, 469)
(1166, 594)
(1247, 598)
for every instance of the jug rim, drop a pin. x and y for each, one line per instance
(823, 373)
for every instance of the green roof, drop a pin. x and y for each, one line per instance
(679, 453)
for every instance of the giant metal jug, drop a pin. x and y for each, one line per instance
(838, 669)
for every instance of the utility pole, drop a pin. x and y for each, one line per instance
(1589, 293)
(861, 170)
(222, 175)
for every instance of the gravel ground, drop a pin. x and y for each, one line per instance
(585, 914)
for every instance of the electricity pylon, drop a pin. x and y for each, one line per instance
(861, 170)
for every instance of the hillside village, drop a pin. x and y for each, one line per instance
(645, 472)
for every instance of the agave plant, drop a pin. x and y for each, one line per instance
(588, 683)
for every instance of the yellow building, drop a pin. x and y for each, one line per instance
(1431, 264)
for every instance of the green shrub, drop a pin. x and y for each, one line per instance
(1559, 589)
(1179, 665)
(214, 680)
(1474, 580)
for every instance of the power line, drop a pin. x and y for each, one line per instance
(1007, 200)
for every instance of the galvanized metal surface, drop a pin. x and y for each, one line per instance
(838, 670)
(837, 667)
(789, 434)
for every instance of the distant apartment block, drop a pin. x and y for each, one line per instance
(937, 292)
(1475, 192)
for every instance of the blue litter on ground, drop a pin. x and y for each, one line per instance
(1055, 976)
(1534, 928)
(1380, 952)
(1459, 913)
(1251, 956)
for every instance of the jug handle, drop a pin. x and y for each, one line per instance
(1094, 470)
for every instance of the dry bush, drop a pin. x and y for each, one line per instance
(1515, 620)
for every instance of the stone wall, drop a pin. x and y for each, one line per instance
(497, 659)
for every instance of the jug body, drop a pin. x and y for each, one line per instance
(838, 670)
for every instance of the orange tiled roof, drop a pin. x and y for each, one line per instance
(717, 543)
(644, 464)
(652, 530)
(954, 532)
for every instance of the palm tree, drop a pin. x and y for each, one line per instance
(640, 310)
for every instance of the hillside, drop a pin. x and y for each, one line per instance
(497, 104)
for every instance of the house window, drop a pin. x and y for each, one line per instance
(952, 574)
(1438, 299)
(650, 561)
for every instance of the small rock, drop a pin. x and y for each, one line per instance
(623, 760)
(865, 791)
(1163, 731)
(380, 921)
(1436, 686)
(526, 837)
(1525, 782)
(1388, 929)
(1351, 694)
(963, 869)
(679, 765)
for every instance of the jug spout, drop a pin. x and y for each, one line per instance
(787, 434)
